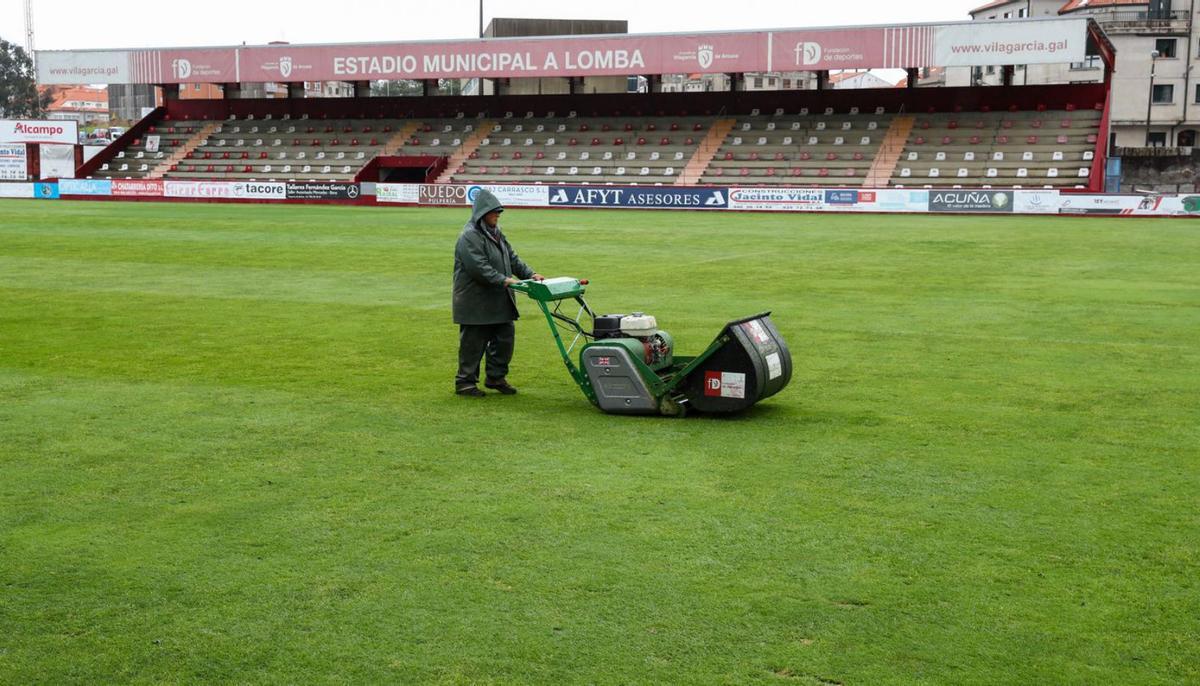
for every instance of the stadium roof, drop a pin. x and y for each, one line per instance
(1025, 41)
(990, 5)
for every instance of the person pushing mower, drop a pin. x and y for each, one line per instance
(484, 308)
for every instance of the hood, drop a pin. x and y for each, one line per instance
(484, 202)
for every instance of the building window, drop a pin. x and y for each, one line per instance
(1022, 12)
(787, 83)
(1008, 15)
(1089, 62)
(1198, 94)
(991, 70)
(1165, 48)
(1164, 94)
(758, 82)
(1157, 139)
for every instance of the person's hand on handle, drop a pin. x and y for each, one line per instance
(510, 280)
(538, 277)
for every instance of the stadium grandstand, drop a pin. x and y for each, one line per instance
(1050, 136)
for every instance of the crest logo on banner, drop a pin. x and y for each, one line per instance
(705, 54)
(285, 66)
(181, 68)
(807, 53)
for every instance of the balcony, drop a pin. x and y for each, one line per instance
(1144, 23)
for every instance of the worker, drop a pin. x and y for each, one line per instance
(484, 308)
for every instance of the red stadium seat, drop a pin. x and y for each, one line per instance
(641, 141)
(651, 127)
(919, 141)
(310, 130)
(210, 168)
(192, 153)
(698, 127)
(350, 129)
(1002, 140)
(975, 140)
(595, 141)
(831, 156)
(246, 155)
(926, 124)
(664, 141)
(1036, 123)
(229, 169)
(262, 155)
(805, 156)
(517, 155)
(473, 156)
(980, 124)
(208, 155)
(823, 172)
(674, 126)
(628, 126)
(1062, 139)
(718, 172)
(947, 140)
(858, 156)
(387, 129)
(1032, 140)
(224, 155)
(1014, 108)
(296, 142)
(606, 128)
(779, 156)
(1070, 107)
(729, 156)
(745, 172)
(328, 129)
(540, 155)
(354, 142)
(689, 141)
(1064, 124)
(573, 141)
(247, 169)
(428, 128)
(618, 141)
(754, 156)
(1092, 138)
(797, 171)
(851, 172)
(1007, 124)
(1041, 107)
(495, 155)
(952, 125)
(367, 129)
(771, 171)
(317, 143)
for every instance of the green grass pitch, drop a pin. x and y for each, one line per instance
(229, 452)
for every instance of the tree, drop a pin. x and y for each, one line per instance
(18, 88)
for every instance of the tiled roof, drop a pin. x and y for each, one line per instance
(1092, 4)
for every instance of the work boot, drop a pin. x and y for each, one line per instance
(469, 391)
(502, 386)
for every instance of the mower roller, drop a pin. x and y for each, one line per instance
(627, 365)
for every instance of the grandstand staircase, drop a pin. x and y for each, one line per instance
(894, 141)
(704, 154)
(469, 146)
(182, 152)
(395, 144)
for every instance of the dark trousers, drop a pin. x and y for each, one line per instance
(497, 340)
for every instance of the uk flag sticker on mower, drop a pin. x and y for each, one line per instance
(725, 384)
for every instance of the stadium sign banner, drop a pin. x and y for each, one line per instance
(406, 193)
(777, 199)
(45, 191)
(234, 190)
(1028, 41)
(16, 190)
(999, 43)
(137, 188)
(33, 131)
(513, 195)
(971, 201)
(1036, 202)
(92, 187)
(13, 165)
(322, 191)
(640, 197)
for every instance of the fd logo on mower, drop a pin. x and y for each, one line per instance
(724, 384)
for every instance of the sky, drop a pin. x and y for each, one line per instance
(74, 24)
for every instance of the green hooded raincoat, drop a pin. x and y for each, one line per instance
(481, 263)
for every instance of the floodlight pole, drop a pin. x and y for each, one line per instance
(1150, 96)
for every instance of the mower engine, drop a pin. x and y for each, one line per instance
(639, 333)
